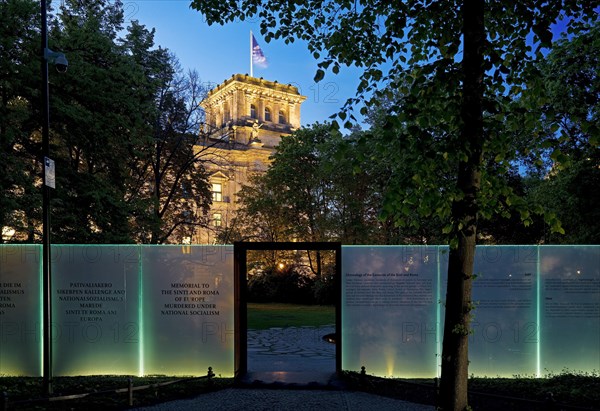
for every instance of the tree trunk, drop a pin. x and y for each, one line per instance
(319, 265)
(455, 361)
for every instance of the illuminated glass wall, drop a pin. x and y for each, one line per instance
(20, 310)
(505, 328)
(142, 310)
(95, 315)
(537, 310)
(120, 310)
(187, 310)
(390, 310)
(569, 308)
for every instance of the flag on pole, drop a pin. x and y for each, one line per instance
(258, 57)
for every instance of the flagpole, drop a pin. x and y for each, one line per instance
(251, 73)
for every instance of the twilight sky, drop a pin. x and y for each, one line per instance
(217, 52)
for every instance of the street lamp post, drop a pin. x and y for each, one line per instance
(47, 320)
(60, 61)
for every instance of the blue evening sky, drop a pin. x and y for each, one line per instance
(217, 52)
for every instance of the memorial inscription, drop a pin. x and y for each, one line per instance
(388, 290)
(557, 303)
(91, 301)
(11, 294)
(190, 299)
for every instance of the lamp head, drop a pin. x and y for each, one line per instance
(61, 63)
(58, 59)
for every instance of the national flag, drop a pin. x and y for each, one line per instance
(258, 57)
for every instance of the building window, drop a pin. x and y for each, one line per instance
(267, 114)
(281, 117)
(217, 192)
(217, 219)
(252, 111)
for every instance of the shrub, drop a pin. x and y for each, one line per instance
(324, 290)
(285, 286)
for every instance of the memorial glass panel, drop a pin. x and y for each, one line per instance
(390, 310)
(95, 293)
(504, 339)
(188, 310)
(570, 308)
(20, 310)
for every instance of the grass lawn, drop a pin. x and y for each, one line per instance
(263, 316)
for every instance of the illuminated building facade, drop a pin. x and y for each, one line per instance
(245, 120)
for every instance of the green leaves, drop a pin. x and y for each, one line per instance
(103, 111)
(560, 159)
(543, 33)
(554, 223)
(459, 134)
(319, 75)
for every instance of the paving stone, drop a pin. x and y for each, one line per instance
(298, 354)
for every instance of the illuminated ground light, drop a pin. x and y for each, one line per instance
(389, 353)
(538, 370)
(141, 314)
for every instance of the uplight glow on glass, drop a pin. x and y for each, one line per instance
(533, 301)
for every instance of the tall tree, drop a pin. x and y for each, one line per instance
(463, 58)
(19, 131)
(570, 121)
(124, 123)
(179, 191)
(297, 187)
(334, 194)
(313, 191)
(260, 217)
(168, 177)
(96, 124)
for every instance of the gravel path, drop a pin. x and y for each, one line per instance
(291, 349)
(278, 352)
(243, 399)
